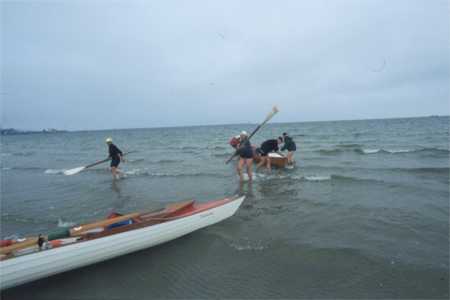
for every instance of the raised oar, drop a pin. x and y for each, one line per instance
(79, 169)
(267, 119)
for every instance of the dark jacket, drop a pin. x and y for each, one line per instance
(114, 152)
(269, 146)
(289, 144)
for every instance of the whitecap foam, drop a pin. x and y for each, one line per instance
(399, 151)
(247, 247)
(245, 177)
(370, 151)
(66, 224)
(317, 178)
(133, 172)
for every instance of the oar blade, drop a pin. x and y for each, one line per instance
(272, 113)
(74, 171)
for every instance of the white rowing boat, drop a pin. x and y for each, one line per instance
(145, 231)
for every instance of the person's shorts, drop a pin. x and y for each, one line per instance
(291, 148)
(246, 153)
(261, 152)
(115, 162)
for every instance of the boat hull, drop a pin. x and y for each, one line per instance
(23, 269)
(276, 160)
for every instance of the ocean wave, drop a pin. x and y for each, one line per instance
(222, 155)
(132, 161)
(168, 161)
(368, 151)
(402, 151)
(145, 172)
(419, 171)
(65, 224)
(349, 145)
(317, 178)
(247, 247)
(25, 153)
(389, 151)
(353, 179)
(365, 151)
(331, 177)
(218, 148)
(187, 148)
(330, 151)
(23, 168)
(262, 176)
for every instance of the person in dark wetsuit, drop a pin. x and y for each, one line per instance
(267, 147)
(245, 152)
(290, 146)
(116, 157)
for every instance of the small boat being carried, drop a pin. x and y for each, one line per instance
(34, 258)
(276, 160)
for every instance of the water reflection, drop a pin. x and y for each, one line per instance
(120, 200)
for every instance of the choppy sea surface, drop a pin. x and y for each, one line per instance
(364, 214)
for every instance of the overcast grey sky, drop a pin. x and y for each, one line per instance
(125, 64)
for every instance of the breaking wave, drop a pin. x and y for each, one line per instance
(144, 172)
(364, 151)
(65, 224)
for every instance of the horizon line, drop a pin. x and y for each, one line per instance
(228, 124)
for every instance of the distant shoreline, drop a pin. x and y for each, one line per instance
(13, 131)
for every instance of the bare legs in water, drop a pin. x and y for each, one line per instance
(249, 164)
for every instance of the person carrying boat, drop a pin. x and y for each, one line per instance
(116, 157)
(245, 152)
(267, 147)
(290, 146)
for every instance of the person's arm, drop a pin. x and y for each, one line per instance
(122, 159)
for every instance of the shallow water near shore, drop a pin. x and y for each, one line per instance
(364, 214)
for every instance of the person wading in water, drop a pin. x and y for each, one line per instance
(116, 157)
(245, 152)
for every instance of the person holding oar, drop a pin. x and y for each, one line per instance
(245, 152)
(116, 157)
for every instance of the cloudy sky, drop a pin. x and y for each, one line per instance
(127, 64)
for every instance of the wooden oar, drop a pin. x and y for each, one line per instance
(30, 241)
(79, 169)
(267, 119)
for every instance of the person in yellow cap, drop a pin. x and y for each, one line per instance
(116, 157)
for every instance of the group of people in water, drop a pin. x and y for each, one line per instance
(244, 150)
(247, 153)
